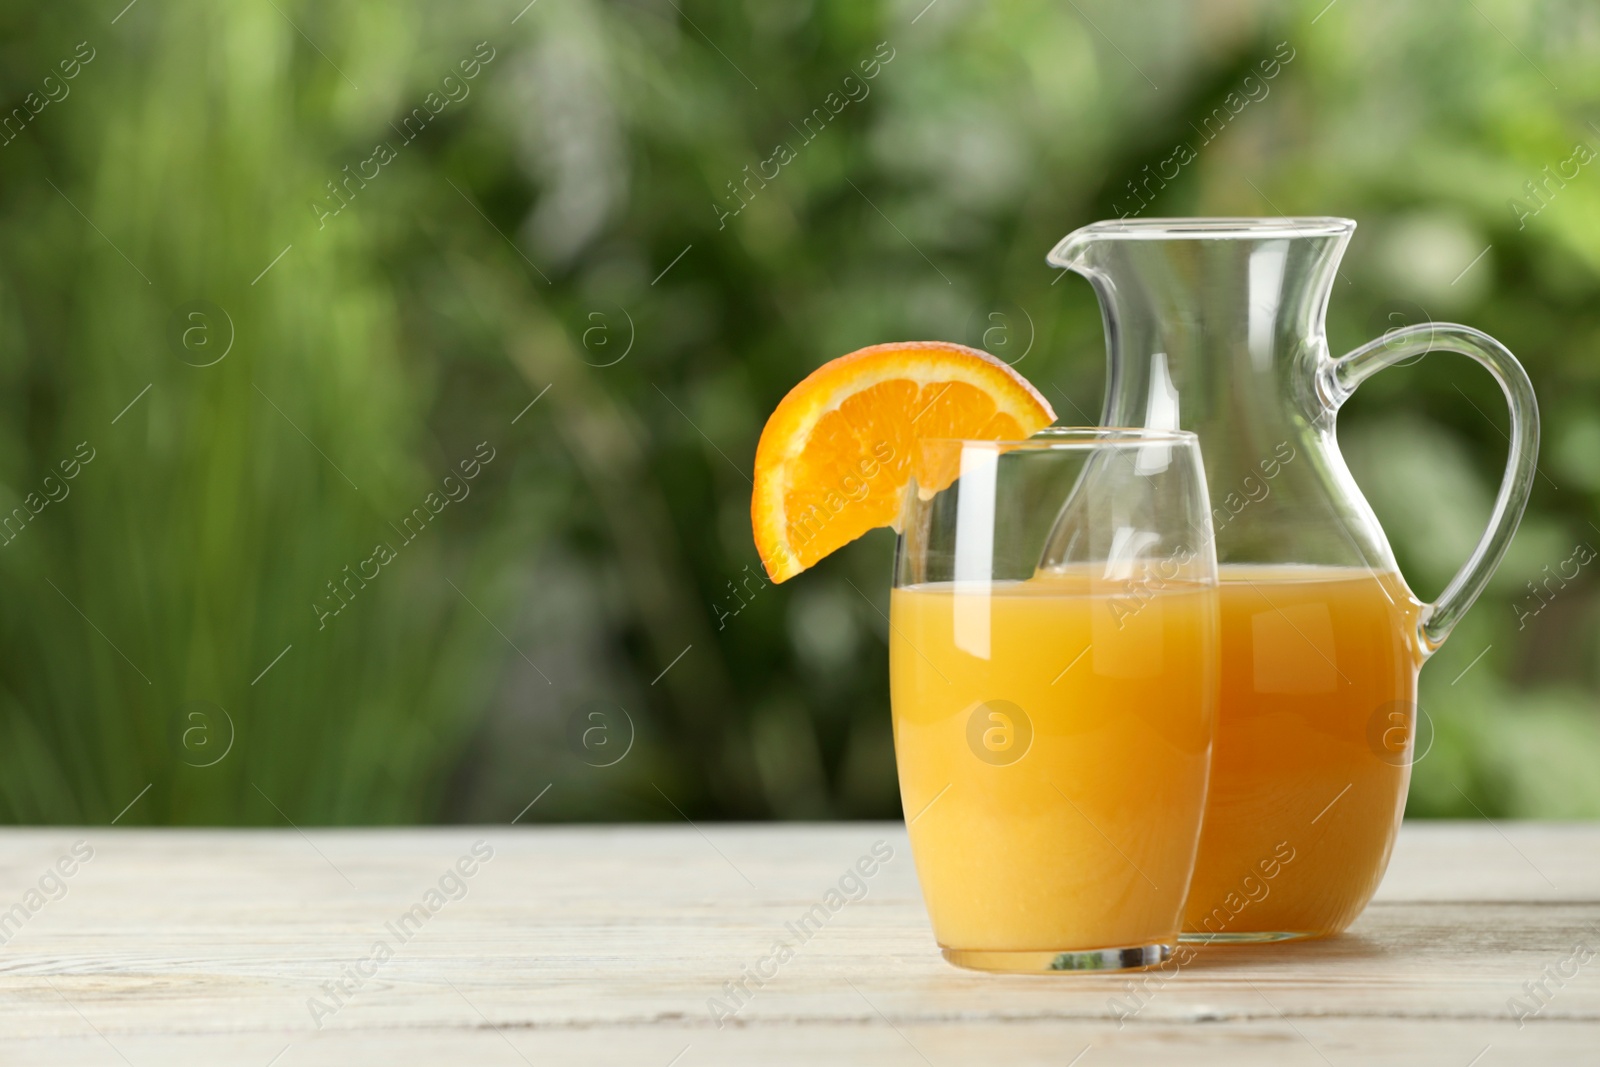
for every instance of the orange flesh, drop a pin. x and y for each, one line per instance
(836, 455)
(829, 477)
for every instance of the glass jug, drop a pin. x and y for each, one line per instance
(1216, 326)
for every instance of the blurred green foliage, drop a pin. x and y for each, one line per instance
(560, 226)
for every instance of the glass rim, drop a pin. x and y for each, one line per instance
(1077, 439)
(1254, 227)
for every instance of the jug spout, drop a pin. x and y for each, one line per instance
(1216, 326)
(1205, 317)
(1075, 250)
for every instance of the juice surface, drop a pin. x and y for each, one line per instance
(1313, 748)
(1053, 747)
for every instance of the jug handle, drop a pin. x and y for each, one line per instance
(1338, 378)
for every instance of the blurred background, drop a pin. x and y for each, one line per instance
(379, 383)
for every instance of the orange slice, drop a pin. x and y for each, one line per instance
(836, 456)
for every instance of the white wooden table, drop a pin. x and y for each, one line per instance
(607, 945)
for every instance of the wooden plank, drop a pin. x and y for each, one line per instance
(1340, 1042)
(614, 944)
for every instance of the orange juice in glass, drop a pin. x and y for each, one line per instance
(1053, 718)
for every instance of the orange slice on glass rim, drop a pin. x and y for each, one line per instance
(836, 456)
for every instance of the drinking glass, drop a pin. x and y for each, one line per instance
(1053, 719)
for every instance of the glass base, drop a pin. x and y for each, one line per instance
(1055, 962)
(1255, 937)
